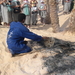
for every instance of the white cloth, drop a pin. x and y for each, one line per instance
(6, 16)
(14, 0)
(67, 6)
(25, 1)
(34, 9)
(42, 6)
(42, 1)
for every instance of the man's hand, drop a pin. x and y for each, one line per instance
(17, 6)
(45, 38)
(4, 0)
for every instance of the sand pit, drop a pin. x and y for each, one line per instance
(58, 60)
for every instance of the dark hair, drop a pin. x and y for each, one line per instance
(21, 17)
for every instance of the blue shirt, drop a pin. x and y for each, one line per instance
(16, 35)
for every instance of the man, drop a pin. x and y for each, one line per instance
(26, 10)
(15, 9)
(63, 2)
(58, 2)
(67, 5)
(72, 5)
(16, 35)
(34, 11)
(2, 1)
(0, 10)
(43, 13)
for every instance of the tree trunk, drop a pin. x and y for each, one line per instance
(54, 15)
(71, 27)
(47, 20)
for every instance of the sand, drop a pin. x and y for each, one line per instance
(52, 61)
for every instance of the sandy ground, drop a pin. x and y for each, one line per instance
(13, 69)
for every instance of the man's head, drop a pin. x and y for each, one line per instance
(21, 17)
(42, 2)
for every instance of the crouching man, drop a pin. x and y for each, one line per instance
(16, 35)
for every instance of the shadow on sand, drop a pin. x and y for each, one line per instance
(63, 61)
(63, 27)
(41, 27)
